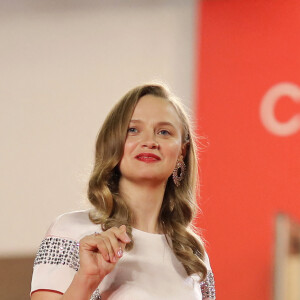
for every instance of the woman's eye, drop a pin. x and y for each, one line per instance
(132, 130)
(164, 132)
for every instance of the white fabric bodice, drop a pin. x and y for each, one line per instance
(149, 271)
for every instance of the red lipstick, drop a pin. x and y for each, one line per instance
(147, 157)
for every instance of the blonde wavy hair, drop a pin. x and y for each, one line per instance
(179, 204)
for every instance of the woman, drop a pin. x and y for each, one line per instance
(137, 242)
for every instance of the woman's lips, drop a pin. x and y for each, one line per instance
(147, 157)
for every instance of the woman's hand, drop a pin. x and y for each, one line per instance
(100, 252)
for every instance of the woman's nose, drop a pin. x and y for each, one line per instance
(150, 142)
(151, 145)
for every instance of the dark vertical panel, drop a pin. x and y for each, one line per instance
(15, 278)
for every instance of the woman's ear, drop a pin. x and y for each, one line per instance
(184, 148)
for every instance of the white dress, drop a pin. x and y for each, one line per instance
(149, 271)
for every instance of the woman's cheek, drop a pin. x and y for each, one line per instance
(130, 144)
(175, 148)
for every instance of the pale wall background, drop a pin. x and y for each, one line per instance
(63, 64)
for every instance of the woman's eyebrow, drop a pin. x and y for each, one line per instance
(135, 121)
(164, 123)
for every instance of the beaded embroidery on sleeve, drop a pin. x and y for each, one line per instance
(61, 251)
(208, 287)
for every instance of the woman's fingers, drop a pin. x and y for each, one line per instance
(118, 239)
(110, 243)
(115, 246)
(121, 234)
(94, 243)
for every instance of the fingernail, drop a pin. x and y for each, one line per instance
(120, 253)
(114, 259)
(127, 238)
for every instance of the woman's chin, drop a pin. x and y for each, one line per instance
(147, 178)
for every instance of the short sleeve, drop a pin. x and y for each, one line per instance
(55, 265)
(208, 289)
(57, 259)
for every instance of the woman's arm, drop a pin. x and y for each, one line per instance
(99, 253)
(46, 295)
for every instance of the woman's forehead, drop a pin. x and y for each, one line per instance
(157, 109)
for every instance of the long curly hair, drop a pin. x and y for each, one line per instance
(179, 204)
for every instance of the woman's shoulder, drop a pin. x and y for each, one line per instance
(73, 225)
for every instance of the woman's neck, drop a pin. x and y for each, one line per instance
(144, 201)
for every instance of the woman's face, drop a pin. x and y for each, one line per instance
(153, 142)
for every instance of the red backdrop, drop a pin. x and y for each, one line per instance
(248, 106)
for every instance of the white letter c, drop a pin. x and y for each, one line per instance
(267, 109)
